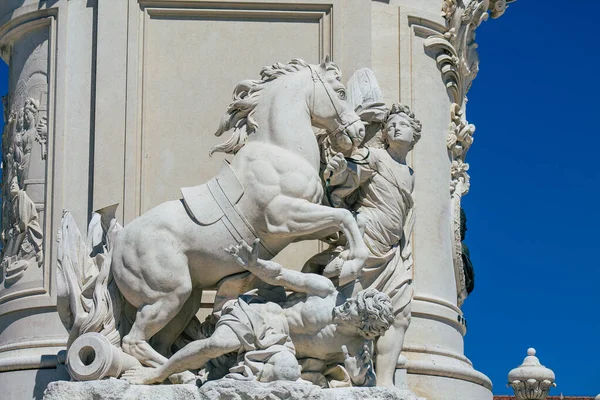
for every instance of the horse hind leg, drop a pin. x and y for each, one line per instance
(153, 316)
(165, 338)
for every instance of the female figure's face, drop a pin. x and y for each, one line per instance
(14, 187)
(29, 119)
(398, 130)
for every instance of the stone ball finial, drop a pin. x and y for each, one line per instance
(531, 380)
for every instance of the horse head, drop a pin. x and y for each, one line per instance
(325, 95)
(329, 109)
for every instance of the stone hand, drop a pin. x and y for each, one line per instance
(245, 255)
(359, 367)
(336, 165)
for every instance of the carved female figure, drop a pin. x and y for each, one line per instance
(380, 191)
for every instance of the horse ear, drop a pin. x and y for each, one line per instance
(326, 61)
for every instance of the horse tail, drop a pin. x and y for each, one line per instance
(88, 297)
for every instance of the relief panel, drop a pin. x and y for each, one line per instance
(25, 160)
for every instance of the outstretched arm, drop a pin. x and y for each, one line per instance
(275, 274)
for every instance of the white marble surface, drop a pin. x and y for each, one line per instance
(231, 389)
(123, 123)
(531, 380)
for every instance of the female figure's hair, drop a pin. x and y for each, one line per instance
(404, 111)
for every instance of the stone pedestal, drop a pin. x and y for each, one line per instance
(131, 91)
(224, 389)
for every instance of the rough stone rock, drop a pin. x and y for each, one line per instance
(115, 389)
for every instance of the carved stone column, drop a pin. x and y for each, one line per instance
(424, 55)
(45, 147)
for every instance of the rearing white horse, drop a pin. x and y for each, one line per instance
(163, 259)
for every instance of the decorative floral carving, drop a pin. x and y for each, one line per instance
(455, 52)
(532, 389)
(448, 8)
(460, 178)
(460, 134)
(459, 186)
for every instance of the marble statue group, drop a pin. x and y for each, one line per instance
(312, 159)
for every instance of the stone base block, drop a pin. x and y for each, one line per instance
(115, 389)
(445, 388)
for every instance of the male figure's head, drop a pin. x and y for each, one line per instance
(401, 128)
(31, 109)
(370, 312)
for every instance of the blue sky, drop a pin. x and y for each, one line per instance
(533, 207)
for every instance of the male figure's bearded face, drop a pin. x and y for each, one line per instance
(347, 313)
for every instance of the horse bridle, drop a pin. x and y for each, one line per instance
(316, 77)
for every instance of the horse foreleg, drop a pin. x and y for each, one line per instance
(298, 218)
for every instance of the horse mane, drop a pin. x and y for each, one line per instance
(240, 113)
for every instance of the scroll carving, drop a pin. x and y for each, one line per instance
(458, 61)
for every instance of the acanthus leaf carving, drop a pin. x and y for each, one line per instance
(455, 49)
(455, 52)
(448, 8)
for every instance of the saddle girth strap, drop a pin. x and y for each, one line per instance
(235, 222)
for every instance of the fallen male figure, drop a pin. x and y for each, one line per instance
(317, 325)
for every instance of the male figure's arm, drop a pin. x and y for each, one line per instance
(360, 367)
(275, 274)
(344, 178)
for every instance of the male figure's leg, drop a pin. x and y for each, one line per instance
(193, 356)
(388, 348)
